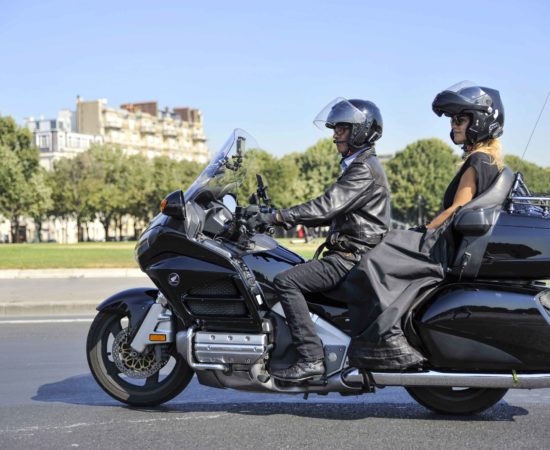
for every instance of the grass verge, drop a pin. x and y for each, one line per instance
(93, 255)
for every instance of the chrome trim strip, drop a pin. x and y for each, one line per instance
(433, 378)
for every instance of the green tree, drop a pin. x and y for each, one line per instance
(318, 167)
(106, 183)
(19, 141)
(168, 176)
(276, 173)
(138, 181)
(420, 174)
(40, 200)
(537, 178)
(12, 181)
(71, 185)
(22, 190)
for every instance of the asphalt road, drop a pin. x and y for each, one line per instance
(48, 399)
(71, 295)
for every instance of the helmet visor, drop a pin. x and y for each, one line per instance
(460, 97)
(339, 111)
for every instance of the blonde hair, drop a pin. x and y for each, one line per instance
(493, 148)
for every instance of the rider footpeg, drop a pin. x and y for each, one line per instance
(264, 378)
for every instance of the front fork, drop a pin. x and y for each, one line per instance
(157, 326)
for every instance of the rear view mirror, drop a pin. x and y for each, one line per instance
(173, 205)
(230, 202)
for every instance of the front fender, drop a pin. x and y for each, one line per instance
(133, 302)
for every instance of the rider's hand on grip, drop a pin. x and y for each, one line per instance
(419, 228)
(261, 221)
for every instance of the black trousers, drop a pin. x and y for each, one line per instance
(314, 276)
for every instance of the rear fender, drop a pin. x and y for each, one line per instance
(133, 302)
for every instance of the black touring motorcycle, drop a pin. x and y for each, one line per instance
(485, 330)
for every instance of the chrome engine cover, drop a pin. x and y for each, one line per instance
(229, 348)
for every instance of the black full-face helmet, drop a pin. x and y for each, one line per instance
(362, 116)
(483, 105)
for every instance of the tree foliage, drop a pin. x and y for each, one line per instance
(318, 166)
(22, 185)
(419, 175)
(106, 184)
(537, 178)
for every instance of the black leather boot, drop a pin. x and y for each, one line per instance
(302, 370)
(393, 353)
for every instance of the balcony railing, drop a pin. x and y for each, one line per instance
(113, 123)
(171, 132)
(147, 129)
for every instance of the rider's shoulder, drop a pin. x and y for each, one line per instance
(477, 157)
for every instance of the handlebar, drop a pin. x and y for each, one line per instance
(238, 228)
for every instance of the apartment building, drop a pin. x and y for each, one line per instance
(58, 138)
(138, 128)
(141, 128)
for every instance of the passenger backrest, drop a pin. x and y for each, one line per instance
(496, 194)
(474, 223)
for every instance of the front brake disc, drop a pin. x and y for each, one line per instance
(133, 364)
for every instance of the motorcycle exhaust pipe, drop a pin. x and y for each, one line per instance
(445, 379)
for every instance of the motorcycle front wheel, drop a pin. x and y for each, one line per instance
(459, 401)
(148, 379)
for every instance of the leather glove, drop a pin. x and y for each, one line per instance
(261, 221)
(419, 228)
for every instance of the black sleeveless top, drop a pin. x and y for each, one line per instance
(486, 172)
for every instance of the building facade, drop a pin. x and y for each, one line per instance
(137, 128)
(141, 128)
(58, 138)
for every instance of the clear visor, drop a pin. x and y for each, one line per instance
(337, 111)
(469, 91)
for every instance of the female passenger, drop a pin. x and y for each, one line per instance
(387, 280)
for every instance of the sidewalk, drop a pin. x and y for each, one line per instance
(63, 291)
(16, 274)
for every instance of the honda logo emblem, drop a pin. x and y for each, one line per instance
(173, 279)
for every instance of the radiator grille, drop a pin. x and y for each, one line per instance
(216, 307)
(220, 288)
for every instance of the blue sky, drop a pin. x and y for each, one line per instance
(271, 67)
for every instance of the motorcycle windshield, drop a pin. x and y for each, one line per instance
(226, 170)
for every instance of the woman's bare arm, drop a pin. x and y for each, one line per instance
(465, 193)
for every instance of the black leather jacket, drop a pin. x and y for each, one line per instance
(357, 206)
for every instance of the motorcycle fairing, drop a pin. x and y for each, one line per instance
(486, 326)
(135, 302)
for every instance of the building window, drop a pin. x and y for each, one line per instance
(44, 141)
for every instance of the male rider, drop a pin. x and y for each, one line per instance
(357, 208)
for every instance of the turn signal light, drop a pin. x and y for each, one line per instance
(157, 337)
(163, 205)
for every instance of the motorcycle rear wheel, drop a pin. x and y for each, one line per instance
(153, 390)
(448, 400)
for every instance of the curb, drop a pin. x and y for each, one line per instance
(18, 274)
(33, 309)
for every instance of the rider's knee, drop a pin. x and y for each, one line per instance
(283, 280)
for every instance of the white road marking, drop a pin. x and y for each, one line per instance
(111, 422)
(35, 321)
